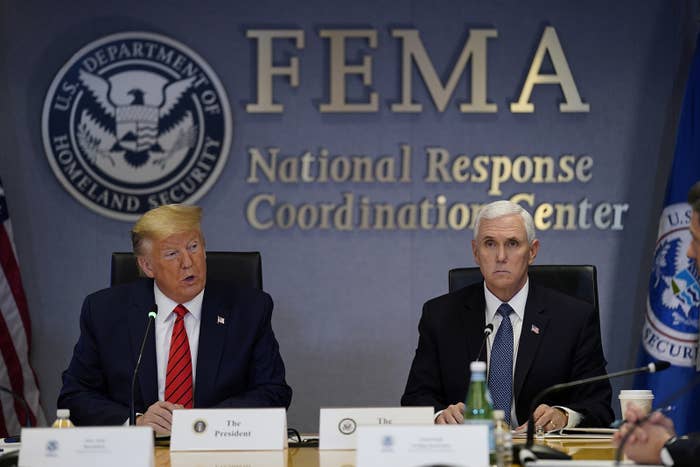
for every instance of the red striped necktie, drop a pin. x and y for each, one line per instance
(178, 376)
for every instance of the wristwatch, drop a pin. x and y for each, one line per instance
(665, 455)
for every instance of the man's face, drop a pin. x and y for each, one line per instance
(177, 264)
(503, 254)
(694, 247)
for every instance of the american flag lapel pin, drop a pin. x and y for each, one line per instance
(535, 329)
(220, 320)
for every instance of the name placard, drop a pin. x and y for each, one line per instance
(229, 430)
(71, 447)
(414, 446)
(338, 426)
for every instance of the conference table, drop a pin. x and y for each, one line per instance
(578, 448)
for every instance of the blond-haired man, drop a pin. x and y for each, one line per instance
(213, 344)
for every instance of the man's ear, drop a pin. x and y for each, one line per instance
(475, 253)
(145, 266)
(534, 248)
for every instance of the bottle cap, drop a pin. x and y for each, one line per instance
(63, 413)
(499, 415)
(477, 367)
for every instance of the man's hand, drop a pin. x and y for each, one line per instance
(159, 416)
(646, 441)
(549, 418)
(453, 414)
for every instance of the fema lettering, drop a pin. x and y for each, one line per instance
(413, 53)
(135, 120)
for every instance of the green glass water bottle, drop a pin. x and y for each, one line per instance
(478, 406)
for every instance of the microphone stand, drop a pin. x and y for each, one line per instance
(532, 451)
(132, 409)
(487, 332)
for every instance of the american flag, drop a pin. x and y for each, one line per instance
(16, 374)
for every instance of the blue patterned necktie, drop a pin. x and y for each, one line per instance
(501, 365)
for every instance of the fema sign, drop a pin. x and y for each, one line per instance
(133, 121)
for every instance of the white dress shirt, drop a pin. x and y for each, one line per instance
(164, 330)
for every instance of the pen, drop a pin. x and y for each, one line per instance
(669, 408)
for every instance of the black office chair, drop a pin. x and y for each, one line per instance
(243, 268)
(580, 281)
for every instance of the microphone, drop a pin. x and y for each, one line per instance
(25, 406)
(132, 411)
(487, 332)
(526, 453)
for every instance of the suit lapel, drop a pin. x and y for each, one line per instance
(473, 322)
(534, 326)
(212, 337)
(141, 304)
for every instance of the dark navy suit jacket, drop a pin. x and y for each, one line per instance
(238, 362)
(685, 452)
(560, 342)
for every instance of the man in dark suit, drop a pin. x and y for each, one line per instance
(548, 337)
(654, 441)
(212, 344)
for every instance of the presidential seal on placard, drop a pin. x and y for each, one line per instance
(136, 120)
(347, 426)
(199, 426)
(671, 326)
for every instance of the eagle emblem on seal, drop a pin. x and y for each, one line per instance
(137, 124)
(673, 286)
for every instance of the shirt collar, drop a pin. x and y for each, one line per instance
(166, 305)
(517, 302)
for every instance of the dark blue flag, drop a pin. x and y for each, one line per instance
(671, 323)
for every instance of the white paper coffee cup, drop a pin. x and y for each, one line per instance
(641, 398)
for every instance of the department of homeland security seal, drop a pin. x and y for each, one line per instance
(133, 121)
(671, 326)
